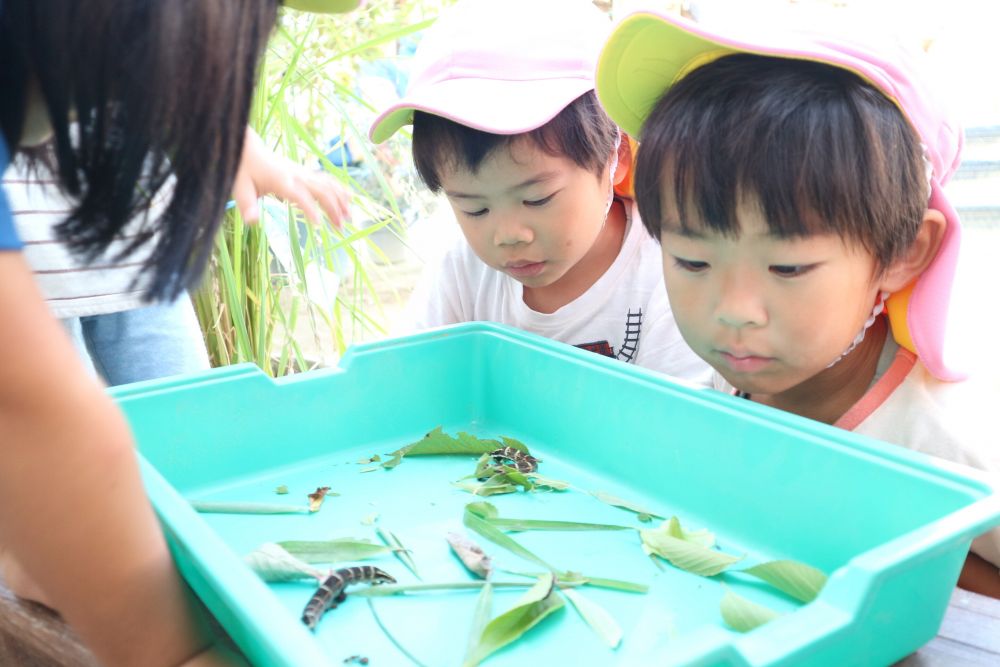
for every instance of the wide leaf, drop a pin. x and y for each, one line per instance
(802, 582)
(688, 556)
(597, 617)
(537, 603)
(743, 615)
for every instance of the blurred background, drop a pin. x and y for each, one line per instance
(290, 296)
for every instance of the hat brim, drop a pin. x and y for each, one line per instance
(488, 105)
(323, 6)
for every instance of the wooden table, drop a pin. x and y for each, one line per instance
(32, 636)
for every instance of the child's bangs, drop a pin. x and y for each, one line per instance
(815, 148)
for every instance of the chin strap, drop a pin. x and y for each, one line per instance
(876, 311)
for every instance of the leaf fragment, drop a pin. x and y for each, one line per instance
(274, 563)
(333, 551)
(615, 501)
(281, 490)
(742, 615)
(212, 507)
(480, 618)
(401, 552)
(538, 602)
(316, 498)
(374, 458)
(798, 580)
(471, 554)
(498, 537)
(597, 617)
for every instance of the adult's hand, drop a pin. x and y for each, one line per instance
(263, 172)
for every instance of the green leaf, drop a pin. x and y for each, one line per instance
(597, 617)
(210, 507)
(743, 615)
(500, 538)
(402, 553)
(624, 504)
(800, 581)
(548, 482)
(615, 584)
(492, 487)
(273, 563)
(333, 551)
(483, 509)
(480, 619)
(536, 604)
(688, 556)
(703, 537)
(281, 490)
(518, 525)
(437, 442)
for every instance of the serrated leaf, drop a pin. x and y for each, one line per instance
(688, 556)
(538, 603)
(333, 551)
(480, 619)
(615, 501)
(743, 615)
(273, 563)
(800, 581)
(500, 538)
(597, 617)
(437, 442)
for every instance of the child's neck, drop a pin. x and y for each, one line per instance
(582, 276)
(828, 395)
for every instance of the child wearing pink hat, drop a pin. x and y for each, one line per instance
(507, 125)
(795, 183)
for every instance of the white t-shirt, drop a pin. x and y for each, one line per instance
(625, 314)
(905, 405)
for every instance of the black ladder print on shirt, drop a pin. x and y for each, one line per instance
(633, 329)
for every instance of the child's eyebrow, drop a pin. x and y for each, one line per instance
(679, 230)
(534, 180)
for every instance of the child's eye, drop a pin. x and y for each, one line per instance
(540, 202)
(477, 214)
(690, 265)
(790, 270)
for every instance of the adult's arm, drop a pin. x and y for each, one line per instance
(73, 512)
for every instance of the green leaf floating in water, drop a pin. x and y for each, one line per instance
(597, 617)
(540, 601)
(800, 581)
(437, 442)
(686, 550)
(743, 615)
(334, 551)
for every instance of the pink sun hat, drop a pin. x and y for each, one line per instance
(648, 52)
(501, 66)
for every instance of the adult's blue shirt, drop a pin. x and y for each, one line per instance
(8, 237)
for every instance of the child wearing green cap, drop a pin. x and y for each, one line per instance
(795, 183)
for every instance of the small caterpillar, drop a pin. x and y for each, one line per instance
(331, 591)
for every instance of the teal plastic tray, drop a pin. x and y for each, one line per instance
(890, 527)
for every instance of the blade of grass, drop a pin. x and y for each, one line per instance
(597, 617)
(402, 553)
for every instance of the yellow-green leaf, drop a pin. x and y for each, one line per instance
(500, 538)
(743, 615)
(333, 551)
(615, 501)
(273, 563)
(480, 618)
(597, 617)
(536, 604)
(703, 537)
(802, 582)
(688, 556)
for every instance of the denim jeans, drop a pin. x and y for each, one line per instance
(141, 344)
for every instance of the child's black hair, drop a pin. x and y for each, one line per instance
(137, 92)
(815, 146)
(581, 132)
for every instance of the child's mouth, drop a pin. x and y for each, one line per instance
(524, 269)
(744, 363)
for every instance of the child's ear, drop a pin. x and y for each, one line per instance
(919, 255)
(623, 174)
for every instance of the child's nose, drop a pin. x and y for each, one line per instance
(739, 304)
(512, 230)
